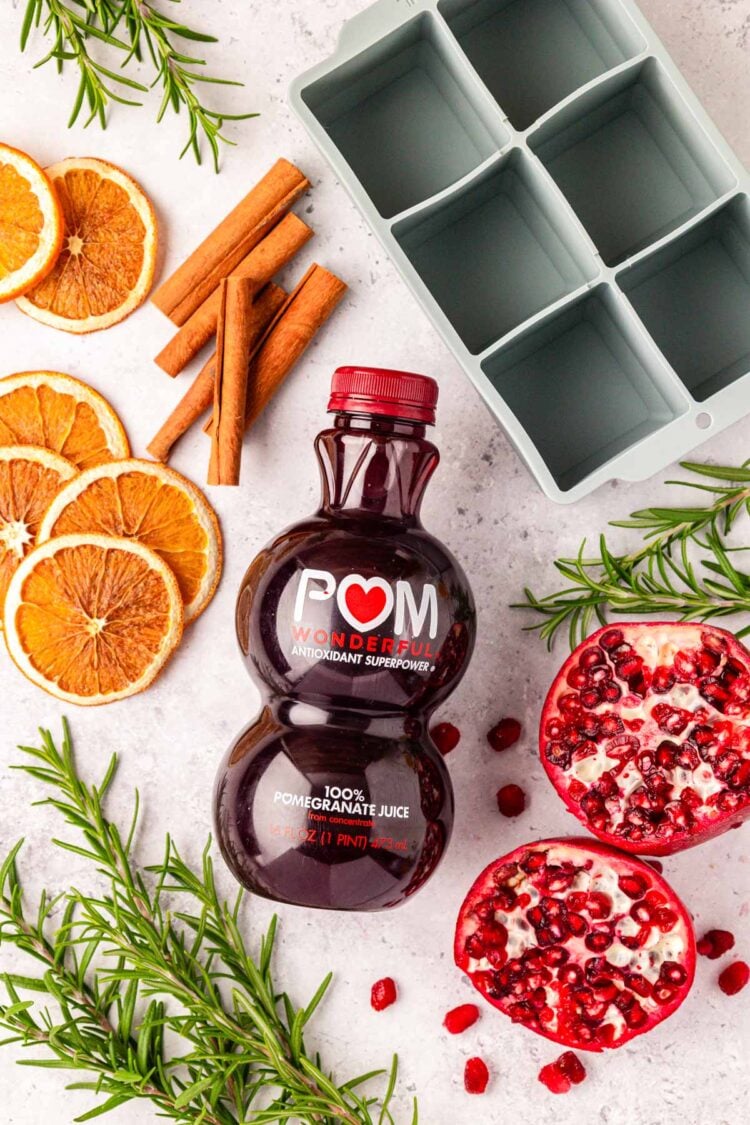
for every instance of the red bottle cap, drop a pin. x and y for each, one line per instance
(378, 390)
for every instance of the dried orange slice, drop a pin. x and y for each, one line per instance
(31, 223)
(62, 414)
(29, 479)
(106, 264)
(145, 500)
(92, 619)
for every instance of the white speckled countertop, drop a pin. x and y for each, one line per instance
(692, 1069)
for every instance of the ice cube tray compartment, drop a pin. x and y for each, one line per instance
(706, 269)
(584, 386)
(533, 53)
(505, 224)
(386, 109)
(565, 211)
(631, 161)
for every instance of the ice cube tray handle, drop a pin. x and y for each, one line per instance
(373, 23)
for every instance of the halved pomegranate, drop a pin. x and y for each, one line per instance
(645, 734)
(583, 944)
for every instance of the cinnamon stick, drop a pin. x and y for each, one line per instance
(266, 259)
(200, 395)
(288, 336)
(237, 329)
(243, 228)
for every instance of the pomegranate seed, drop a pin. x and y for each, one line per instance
(673, 973)
(662, 993)
(458, 1019)
(446, 737)
(476, 1076)
(553, 1078)
(656, 864)
(662, 679)
(569, 704)
(577, 678)
(505, 899)
(641, 912)
(383, 994)
(734, 978)
(511, 800)
(598, 940)
(577, 924)
(665, 919)
(611, 639)
(741, 776)
(685, 666)
(639, 984)
(715, 943)
(493, 935)
(635, 1016)
(598, 905)
(558, 1076)
(634, 886)
(504, 734)
(571, 1066)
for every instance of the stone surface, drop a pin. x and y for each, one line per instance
(483, 503)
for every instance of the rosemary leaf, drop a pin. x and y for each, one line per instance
(123, 27)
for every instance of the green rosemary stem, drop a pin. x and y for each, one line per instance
(74, 26)
(685, 566)
(112, 950)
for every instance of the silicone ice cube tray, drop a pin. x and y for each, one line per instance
(565, 211)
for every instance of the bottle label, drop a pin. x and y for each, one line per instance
(340, 819)
(365, 604)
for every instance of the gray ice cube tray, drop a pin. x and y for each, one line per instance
(566, 213)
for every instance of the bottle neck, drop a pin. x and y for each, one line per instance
(376, 466)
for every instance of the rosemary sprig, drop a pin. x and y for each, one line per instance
(685, 567)
(135, 29)
(159, 952)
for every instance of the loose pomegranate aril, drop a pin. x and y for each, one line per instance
(571, 1066)
(446, 737)
(563, 1073)
(553, 1078)
(559, 981)
(734, 978)
(651, 746)
(476, 1076)
(715, 943)
(459, 1019)
(383, 994)
(504, 734)
(511, 800)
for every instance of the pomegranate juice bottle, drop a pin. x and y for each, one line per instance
(355, 623)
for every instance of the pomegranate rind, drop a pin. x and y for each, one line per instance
(705, 820)
(522, 940)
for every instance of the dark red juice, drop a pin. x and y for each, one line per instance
(356, 623)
